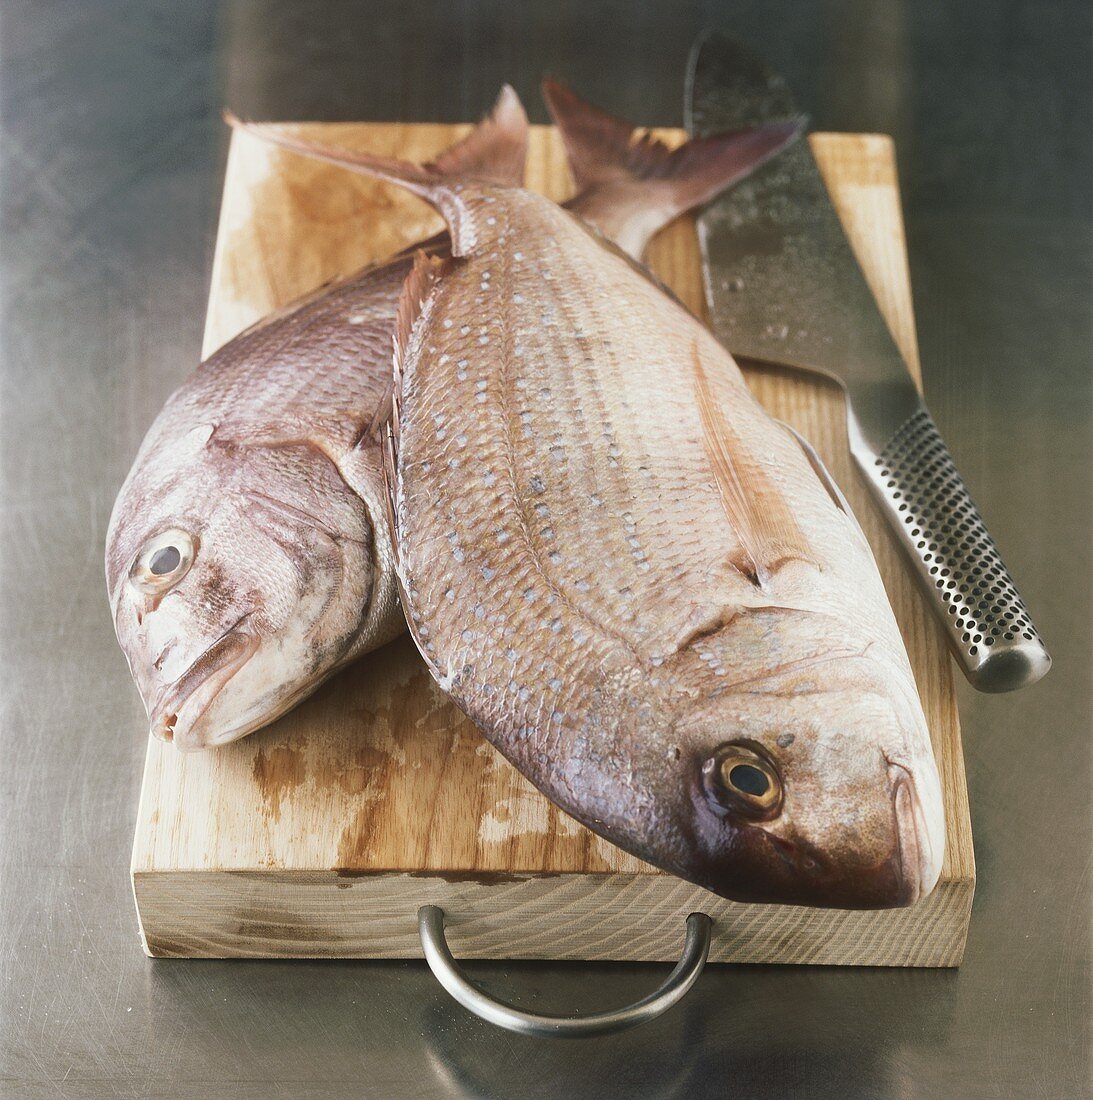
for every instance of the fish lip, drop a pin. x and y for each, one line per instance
(918, 862)
(199, 685)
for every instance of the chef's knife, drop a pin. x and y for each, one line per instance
(783, 286)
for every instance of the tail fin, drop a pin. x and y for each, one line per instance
(493, 153)
(631, 184)
(495, 150)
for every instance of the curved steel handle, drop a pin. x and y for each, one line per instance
(430, 919)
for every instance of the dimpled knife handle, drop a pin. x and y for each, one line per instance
(989, 628)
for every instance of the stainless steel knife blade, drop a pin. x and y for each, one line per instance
(783, 286)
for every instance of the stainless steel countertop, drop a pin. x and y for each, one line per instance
(112, 158)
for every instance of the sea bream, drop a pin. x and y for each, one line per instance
(646, 593)
(248, 556)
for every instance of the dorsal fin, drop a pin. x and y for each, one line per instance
(632, 184)
(451, 194)
(416, 291)
(419, 284)
(759, 515)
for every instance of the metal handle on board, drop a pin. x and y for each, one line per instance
(448, 972)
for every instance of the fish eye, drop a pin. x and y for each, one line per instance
(164, 561)
(741, 779)
(748, 779)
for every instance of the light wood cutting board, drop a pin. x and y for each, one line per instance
(321, 836)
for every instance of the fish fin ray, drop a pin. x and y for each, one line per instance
(423, 277)
(390, 484)
(453, 198)
(632, 184)
(390, 464)
(419, 285)
(768, 534)
(598, 145)
(373, 431)
(826, 479)
(284, 522)
(495, 150)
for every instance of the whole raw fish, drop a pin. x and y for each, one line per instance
(644, 590)
(248, 556)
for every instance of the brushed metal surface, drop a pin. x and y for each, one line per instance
(111, 169)
(783, 286)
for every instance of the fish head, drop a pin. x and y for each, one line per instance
(820, 790)
(225, 568)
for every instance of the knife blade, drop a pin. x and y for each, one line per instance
(783, 286)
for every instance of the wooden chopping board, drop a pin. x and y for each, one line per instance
(322, 835)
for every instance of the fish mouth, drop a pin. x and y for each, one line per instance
(919, 863)
(184, 701)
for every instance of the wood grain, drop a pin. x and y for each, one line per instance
(321, 836)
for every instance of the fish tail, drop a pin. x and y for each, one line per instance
(493, 154)
(496, 150)
(632, 184)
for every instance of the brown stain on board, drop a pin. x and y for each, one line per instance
(477, 780)
(374, 220)
(410, 748)
(356, 775)
(483, 878)
(356, 839)
(278, 772)
(414, 734)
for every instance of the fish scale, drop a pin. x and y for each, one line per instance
(265, 469)
(272, 370)
(261, 477)
(610, 479)
(711, 594)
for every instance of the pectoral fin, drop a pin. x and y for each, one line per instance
(758, 512)
(826, 479)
